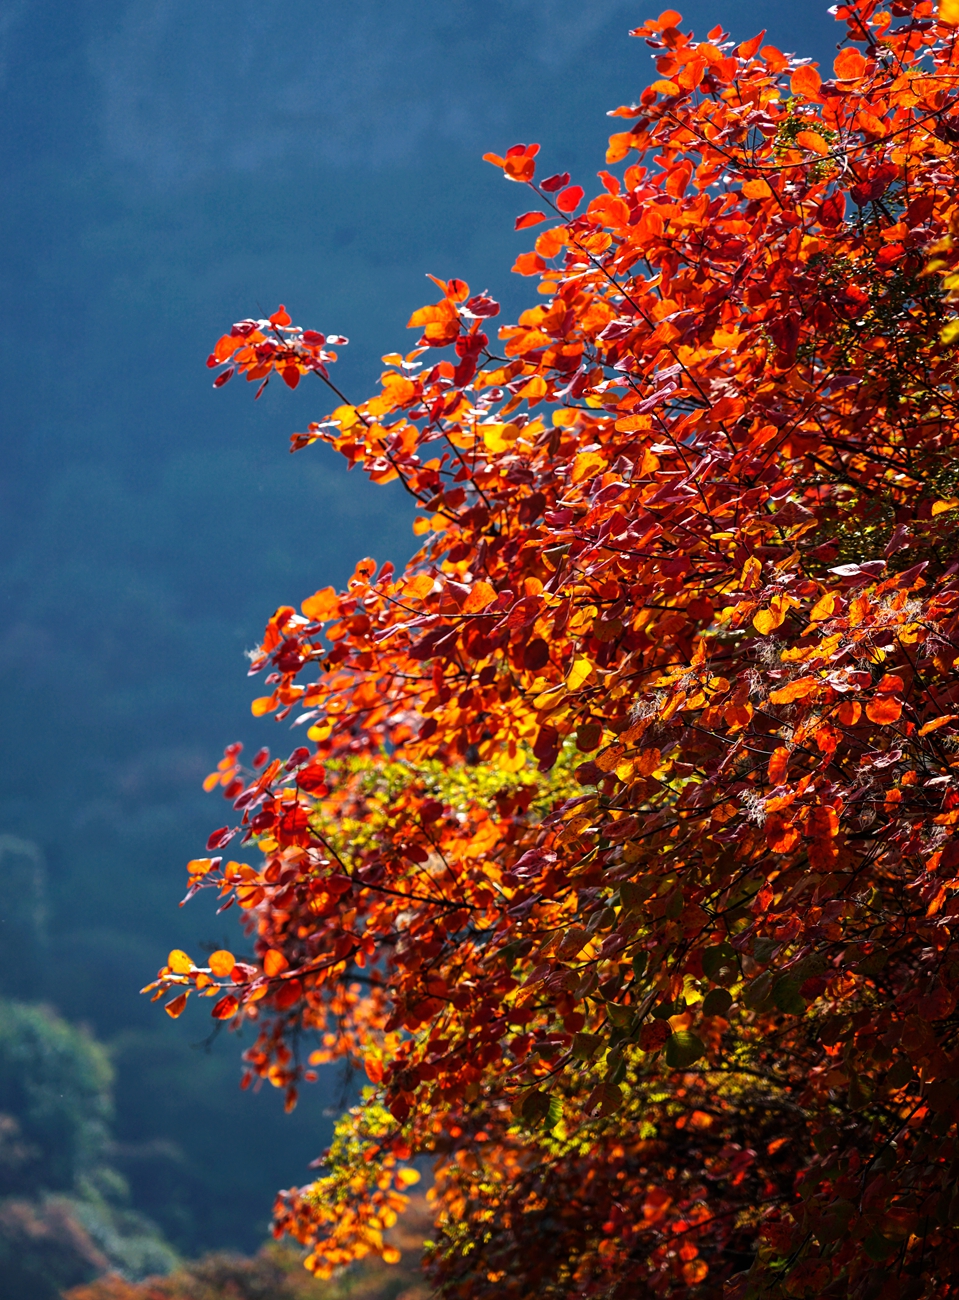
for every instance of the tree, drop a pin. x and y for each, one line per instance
(63, 1212)
(624, 854)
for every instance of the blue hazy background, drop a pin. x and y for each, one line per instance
(170, 166)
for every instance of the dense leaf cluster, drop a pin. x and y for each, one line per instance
(624, 854)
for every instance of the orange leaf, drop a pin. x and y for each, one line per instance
(756, 189)
(199, 866)
(179, 962)
(211, 782)
(849, 65)
(849, 712)
(419, 586)
(884, 710)
(529, 264)
(812, 141)
(936, 723)
(322, 605)
(781, 837)
(175, 1008)
(280, 316)
(748, 48)
(805, 81)
(274, 962)
(265, 704)
(225, 1008)
(796, 690)
(778, 763)
(221, 963)
(481, 595)
(669, 18)
(822, 822)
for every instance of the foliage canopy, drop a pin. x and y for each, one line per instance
(624, 855)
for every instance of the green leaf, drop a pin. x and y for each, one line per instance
(899, 1075)
(758, 990)
(535, 1107)
(585, 1046)
(872, 964)
(640, 960)
(786, 995)
(683, 1048)
(717, 1002)
(621, 1017)
(877, 1246)
(719, 955)
(764, 948)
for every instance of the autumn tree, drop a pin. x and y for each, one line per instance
(623, 851)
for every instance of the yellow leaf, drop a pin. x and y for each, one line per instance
(221, 963)
(419, 586)
(391, 1255)
(179, 962)
(578, 674)
(534, 390)
(265, 704)
(767, 620)
(752, 572)
(823, 607)
(407, 1177)
(498, 437)
(481, 595)
(940, 507)
(949, 12)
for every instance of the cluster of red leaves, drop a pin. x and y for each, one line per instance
(625, 852)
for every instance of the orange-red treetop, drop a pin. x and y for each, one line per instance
(620, 845)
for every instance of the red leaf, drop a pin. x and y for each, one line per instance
(749, 48)
(280, 316)
(224, 378)
(529, 219)
(554, 183)
(568, 200)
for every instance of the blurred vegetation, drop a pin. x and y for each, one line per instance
(277, 1273)
(64, 1210)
